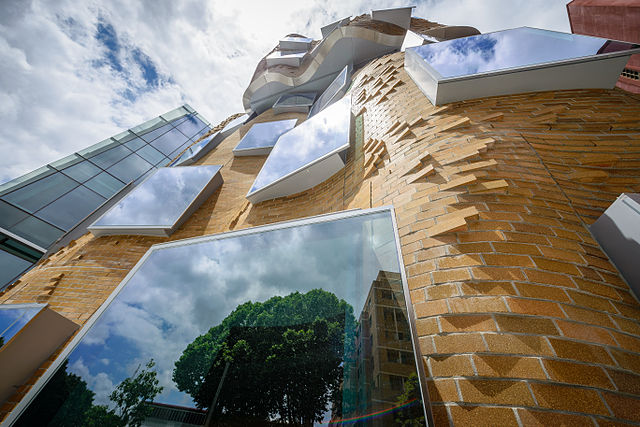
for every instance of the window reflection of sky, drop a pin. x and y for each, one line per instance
(335, 90)
(318, 136)
(506, 49)
(182, 291)
(264, 135)
(12, 319)
(161, 199)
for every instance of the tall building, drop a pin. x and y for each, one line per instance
(413, 223)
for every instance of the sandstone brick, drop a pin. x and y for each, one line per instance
(625, 381)
(545, 277)
(459, 343)
(427, 326)
(496, 392)
(555, 266)
(482, 416)
(508, 260)
(543, 292)
(467, 323)
(430, 308)
(477, 305)
(585, 332)
(518, 344)
(450, 366)
(454, 275)
(534, 307)
(446, 290)
(624, 407)
(526, 324)
(508, 366)
(566, 398)
(497, 273)
(459, 261)
(539, 418)
(442, 390)
(573, 373)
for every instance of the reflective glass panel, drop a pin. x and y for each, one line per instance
(82, 171)
(289, 326)
(40, 193)
(324, 133)
(150, 154)
(25, 179)
(195, 149)
(105, 185)
(333, 92)
(71, 208)
(130, 168)
(513, 48)
(14, 317)
(37, 231)
(150, 136)
(10, 215)
(135, 144)
(236, 122)
(111, 156)
(11, 266)
(191, 126)
(169, 141)
(161, 199)
(66, 161)
(149, 126)
(264, 135)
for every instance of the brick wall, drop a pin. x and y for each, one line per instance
(521, 317)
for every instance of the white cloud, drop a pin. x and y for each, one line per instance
(54, 99)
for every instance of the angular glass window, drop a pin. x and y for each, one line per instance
(40, 193)
(82, 171)
(150, 154)
(71, 208)
(13, 317)
(191, 126)
(196, 151)
(10, 215)
(25, 179)
(276, 325)
(37, 231)
(130, 168)
(150, 136)
(515, 61)
(294, 103)
(261, 138)
(295, 43)
(306, 155)
(333, 92)
(135, 144)
(285, 57)
(169, 141)
(105, 185)
(149, 126)
(11, 266)
(111, 156)
(161, 203)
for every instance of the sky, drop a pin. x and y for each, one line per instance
(74, 73)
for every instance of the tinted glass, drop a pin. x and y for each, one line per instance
(12, 319)
(37, 231)
(150, 136)
(111, 156)
(105, 185)
(169, 141)
(82, 171)
(195, 149)
(333, 92)
(161, 199)
(150, 154)
(263, 135)
(11, 266)
(191, 126)
(10, 215)
(71, 208)
(280, 327)
(320, 135)
(40, 193)
(180, 149)
(135, 144)
(514, 48)
(130, 168)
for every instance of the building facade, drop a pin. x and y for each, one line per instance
(442, 272)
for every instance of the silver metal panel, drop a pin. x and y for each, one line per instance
(400, 16)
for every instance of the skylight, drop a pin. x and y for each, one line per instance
(296, 311)
(161, 203)
(333, 92)
(261, 138)
(508, 54)
(306, 155)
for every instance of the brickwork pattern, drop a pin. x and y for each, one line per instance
(522, 319)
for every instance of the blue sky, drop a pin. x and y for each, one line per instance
(74, 73)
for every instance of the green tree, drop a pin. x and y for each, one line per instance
(411, 415)
(281, 359)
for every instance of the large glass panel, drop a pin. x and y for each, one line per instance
(513, 48)
(130, 168)
(82, 171)
(10, 215)
(40, 193)
(191, 126)
(110, 157)
(37, 231)
(333, 92)
(150, 136)
(150, 154)
(135, 144)
(160, 200)
(71, 208)
(13, 317)
(287, 326)
(98, 148)
(149, 126)
(168, 142)
(66, 161)
(105, 185)
(11, 266)
(264, 135)
(26, 179)
(324, 133)
(175, 114)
